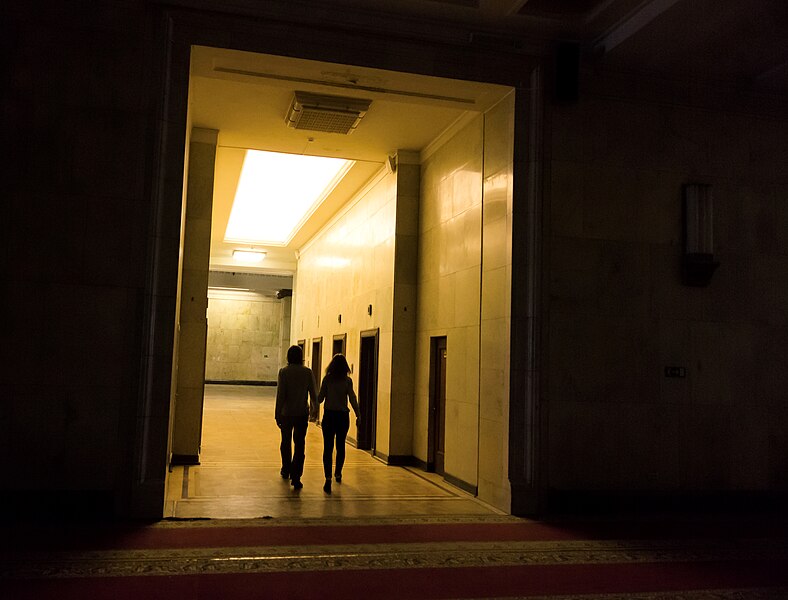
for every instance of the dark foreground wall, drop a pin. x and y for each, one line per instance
(80, 92)
(619, 313)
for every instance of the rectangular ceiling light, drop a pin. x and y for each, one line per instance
(249, 256)
(332, 114)
(277, 193)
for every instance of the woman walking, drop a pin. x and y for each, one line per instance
(336, 389)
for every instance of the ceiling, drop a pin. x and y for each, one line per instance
(246, 97)
(742, 45)
(732, 42)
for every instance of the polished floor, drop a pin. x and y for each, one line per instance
(238, 476)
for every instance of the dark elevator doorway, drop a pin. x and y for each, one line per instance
(437, 418)
(317, 366)
(367, 390)
(338, 344)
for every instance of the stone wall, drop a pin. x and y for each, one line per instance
(244, 338)
(619, 314)
(346, 267)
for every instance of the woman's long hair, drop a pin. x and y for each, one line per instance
(338, 367)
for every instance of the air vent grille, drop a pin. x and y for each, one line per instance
(330, 114)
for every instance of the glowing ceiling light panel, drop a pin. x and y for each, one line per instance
(277, 192)
(248, 256)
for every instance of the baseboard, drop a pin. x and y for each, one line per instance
(238, 382)
(185, 459)
(526, 500)
(395, 460)
(601, 502)
(419, 464)
(463, 485)
(401, 460)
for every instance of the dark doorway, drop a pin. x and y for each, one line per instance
(317, 359)
(317, 365)
(437, 426)
(367, 389)
(302, 344)
(338, 345)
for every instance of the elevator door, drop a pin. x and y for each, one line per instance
(338, 345)
(437, 427)
(367, 391)
(317, 365)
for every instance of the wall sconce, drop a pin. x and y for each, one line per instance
(697, 261)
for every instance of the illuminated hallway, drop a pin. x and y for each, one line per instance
(238, 476)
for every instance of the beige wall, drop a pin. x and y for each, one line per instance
(244, 337)
(619, 314)
(190, 369)
(436, 237)
(345, 268)
(450, 230)
(464, 294)
(496, 304)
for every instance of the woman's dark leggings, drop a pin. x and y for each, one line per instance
(335, 424)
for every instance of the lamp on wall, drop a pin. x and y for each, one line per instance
(698, 264)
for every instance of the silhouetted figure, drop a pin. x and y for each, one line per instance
(294, 384)
(336, 389)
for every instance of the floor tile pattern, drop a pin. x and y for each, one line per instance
(238, 475)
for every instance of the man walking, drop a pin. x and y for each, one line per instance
(295, 383)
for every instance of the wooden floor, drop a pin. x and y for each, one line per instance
(238, 476)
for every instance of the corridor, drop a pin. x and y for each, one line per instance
(238, 477)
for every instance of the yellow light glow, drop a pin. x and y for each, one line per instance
(277, 192)
(333, 262)
(248, 256)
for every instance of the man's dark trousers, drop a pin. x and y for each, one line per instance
(293, 428)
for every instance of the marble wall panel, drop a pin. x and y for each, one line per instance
(493, 485)
(466, 301)
(462, 459)
(344, 268)
(497, 195)
(450, 206)
(498, 138)
(244, 339)
(456, 201)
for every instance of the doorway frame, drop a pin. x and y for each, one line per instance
(367, 334)
(317, 341)
(312, 35)
(339, 337)
(436, 343)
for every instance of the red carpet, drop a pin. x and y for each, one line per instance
(419, 559)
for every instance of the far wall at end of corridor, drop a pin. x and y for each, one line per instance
(244, 338)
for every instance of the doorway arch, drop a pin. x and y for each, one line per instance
(304, 39)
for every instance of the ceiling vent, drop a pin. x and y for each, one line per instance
(332, 114)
